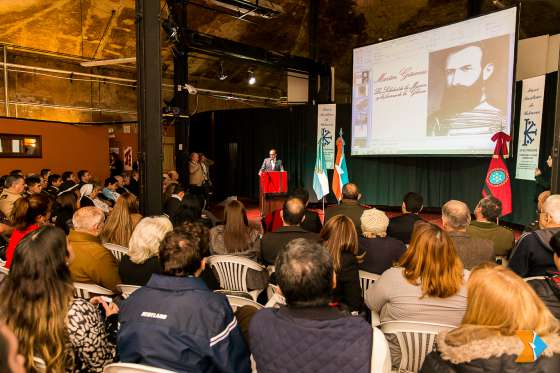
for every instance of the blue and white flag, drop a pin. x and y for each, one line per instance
(320, 180)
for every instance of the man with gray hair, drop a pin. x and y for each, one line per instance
(533, 255)
(473, 251)
(93, 263)
(295, 338)
(487, 214)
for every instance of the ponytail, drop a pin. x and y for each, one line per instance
(27, 209)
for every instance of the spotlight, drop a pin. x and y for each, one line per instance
(222, 75)
(252, 79)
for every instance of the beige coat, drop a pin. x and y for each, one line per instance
(7, 200)
(196, 174)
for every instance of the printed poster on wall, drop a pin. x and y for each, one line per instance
(127, 158)
(326, 128)
(530, 128)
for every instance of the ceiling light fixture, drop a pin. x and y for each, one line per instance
(252, 79)
(222, 76)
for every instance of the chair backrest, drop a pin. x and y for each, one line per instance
(232, 270)
(88, 291)
(534, 278)
(366, 280)
(126, 290)
(4, 270)
(117, 250)
(40, 364)
(236, 302)
(133, 368)
(416, 340)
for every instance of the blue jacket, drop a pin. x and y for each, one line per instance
(177, 323)
(310, 340)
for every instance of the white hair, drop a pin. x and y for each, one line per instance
(88, 218)
(552, 207)
(146, 238)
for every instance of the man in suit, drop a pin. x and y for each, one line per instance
(401, 227)
(473, 251)
(349, 206)
(271, 163)
(292, 216)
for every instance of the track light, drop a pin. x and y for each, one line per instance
(252, 79)
(222, 75)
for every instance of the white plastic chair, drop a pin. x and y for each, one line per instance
(232, 272)
(534, 278)
(117, 250)
(502, 259)
(126, 290)
(416, 340)
(366, 280)
(88, 291)
(235, 302)
(133, 368)
(380, 353)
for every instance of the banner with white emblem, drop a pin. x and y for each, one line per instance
(529, 136)
(326, 131)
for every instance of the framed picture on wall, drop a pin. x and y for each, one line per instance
(20, 146)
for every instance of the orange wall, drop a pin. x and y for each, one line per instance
(65, 147)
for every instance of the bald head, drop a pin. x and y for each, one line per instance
(350, 191)
(293, 211)
(456, 216)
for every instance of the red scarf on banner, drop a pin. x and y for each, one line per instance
(497, 182)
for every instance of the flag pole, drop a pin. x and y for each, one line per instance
(323, 205)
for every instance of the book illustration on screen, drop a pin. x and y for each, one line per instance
(468, 88)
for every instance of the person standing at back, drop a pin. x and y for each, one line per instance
(349, 206)
(401, 227)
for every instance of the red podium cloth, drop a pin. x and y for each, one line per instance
(274, 182)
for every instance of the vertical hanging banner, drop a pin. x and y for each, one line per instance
(529, 136)
(326, 127)
(127, 161)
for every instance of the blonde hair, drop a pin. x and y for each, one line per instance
(499, 299)
(118, 227)
(431, 259)
(146, 238)
(339, 235)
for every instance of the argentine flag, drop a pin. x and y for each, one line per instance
(320, 179)
(340, 175)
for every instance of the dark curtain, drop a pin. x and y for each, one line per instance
(242, 139)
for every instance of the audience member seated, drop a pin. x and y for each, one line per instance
(172, 204)
(349, 206)
(116, 164)
(548, 288)
(84, 177)
(501, 308)
(532, 255)
(308, 335)
(118, 227)
(133, 208)
(68, 180)
(44, 174)
(473, 251)
(13, 188)
(34, 185)
(53, 185)
(535, 224)
(381, 252)
(134, 185)
(93, 264)
(190, 328)
(173, 176)
(121, 183)
(38, 304)
(64, 207)
(311, 222)
(427, 285)
(191, 210)
(142, 260)
(292, 214)
(487, 213)
(11, 361)
(29, 214)
(401, 227)
(90, 193)
(110, 190)
(340, 238)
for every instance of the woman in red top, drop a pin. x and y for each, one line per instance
(29, 213)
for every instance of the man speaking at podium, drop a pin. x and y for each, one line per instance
(271, 163)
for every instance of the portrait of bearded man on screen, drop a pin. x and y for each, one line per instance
(465, 107)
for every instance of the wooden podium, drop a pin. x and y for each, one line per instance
(273, 190)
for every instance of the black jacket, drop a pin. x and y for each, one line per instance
(348, 290)
(401, 227)
(532, 255)
(138, 274)
(350, 208)
(381, 253)
(548, 290)
(472, 357)
(312, 222)
(172, 207)
(273, 242)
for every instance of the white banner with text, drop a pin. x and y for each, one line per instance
(326, 128)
